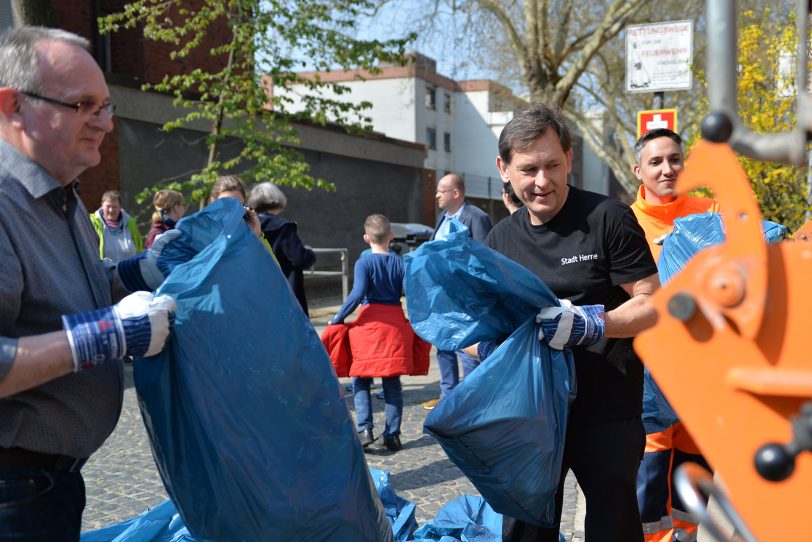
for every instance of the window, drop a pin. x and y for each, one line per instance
(447, 142)
(431, 139)
(431, 98)
(447, 102)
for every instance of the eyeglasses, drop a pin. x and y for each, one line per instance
(84, 109)
(444, 191)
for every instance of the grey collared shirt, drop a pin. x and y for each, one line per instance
(49, 266)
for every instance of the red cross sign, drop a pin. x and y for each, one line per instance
(656, 118)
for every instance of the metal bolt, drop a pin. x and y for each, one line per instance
(682, 306)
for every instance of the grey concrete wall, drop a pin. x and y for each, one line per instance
(371, 174)
(363, 187)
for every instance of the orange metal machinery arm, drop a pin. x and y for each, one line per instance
(731, 349)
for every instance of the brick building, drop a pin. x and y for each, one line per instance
(372, 173)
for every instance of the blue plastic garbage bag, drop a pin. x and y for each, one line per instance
(459, 292)
(504, 424)
(658, 414)
(163, 524)
(465, 519)
(160, 524)
(250, 435)
(399, 511)
(693, 233)
(690, 235)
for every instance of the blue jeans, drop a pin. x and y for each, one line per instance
(39, 505)
(468, 363)
(392, 398)
(450, 371)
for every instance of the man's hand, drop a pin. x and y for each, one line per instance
(138, 326)
(141, 272)
(571, 325)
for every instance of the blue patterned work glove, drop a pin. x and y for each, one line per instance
(137, 326)
(141, 272)
(571, 325)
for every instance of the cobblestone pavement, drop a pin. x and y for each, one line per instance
(122, 480)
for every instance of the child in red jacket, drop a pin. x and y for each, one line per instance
(381, 340)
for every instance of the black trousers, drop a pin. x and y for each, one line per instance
(604, 458)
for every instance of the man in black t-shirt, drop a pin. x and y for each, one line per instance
(590, 250)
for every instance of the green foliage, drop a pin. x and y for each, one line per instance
(269, 41)
(767, 105)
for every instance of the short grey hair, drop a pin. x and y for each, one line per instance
(19, 63)
(267, 197)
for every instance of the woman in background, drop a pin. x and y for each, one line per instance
(118, 234)
(293, 256)
(169, 208)
(231, 186)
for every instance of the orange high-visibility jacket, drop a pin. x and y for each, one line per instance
(658, 220)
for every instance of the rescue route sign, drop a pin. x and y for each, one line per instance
(659, 56)
(656, 118)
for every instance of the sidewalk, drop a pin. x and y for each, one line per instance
(122, 480)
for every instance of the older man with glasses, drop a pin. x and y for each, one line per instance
(61, 339)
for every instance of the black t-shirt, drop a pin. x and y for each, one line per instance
(592, 246)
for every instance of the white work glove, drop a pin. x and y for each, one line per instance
(141, 272)
(571, 325)
(137, 326)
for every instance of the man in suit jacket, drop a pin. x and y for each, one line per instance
(451, 200)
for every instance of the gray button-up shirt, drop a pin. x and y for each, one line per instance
(49, 266)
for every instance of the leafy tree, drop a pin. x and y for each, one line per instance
(269, 40)
(766, 104)
(567, 53)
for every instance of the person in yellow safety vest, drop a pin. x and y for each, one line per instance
(659, 159)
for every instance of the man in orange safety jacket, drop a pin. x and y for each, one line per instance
(659, 160)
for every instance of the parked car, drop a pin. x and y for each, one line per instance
(409, 236)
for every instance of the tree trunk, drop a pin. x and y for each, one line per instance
(615, 158)
(34, 12)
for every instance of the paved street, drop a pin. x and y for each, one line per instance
(122, 480)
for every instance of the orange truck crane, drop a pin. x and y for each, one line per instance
(732, 347)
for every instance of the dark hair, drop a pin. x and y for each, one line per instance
(529, 125)
(656, 133)
(507, 188)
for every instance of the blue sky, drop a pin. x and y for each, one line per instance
(396, 19)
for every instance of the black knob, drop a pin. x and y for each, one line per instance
(774, 462)
(682, 306)
(716, 127)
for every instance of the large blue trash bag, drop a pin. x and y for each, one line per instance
(164, 524)
(459, 292)
(250, 435)
(690, 235)
(465, 519)
(693, 233)
(399, 511)
(160, 524)
(503, 425)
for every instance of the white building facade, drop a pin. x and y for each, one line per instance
(458, 122)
